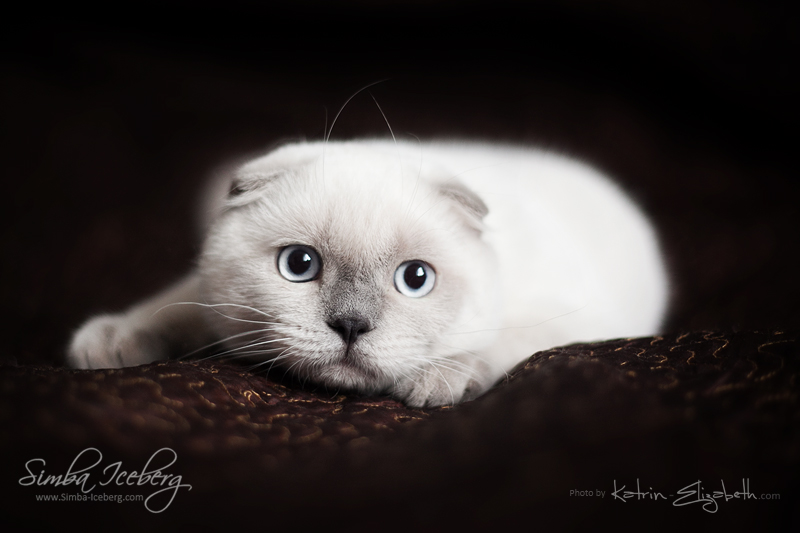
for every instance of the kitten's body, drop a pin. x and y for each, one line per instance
(561, 256)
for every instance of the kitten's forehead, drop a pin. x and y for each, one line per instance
(370, 211)
(375, 166)
(356, 200)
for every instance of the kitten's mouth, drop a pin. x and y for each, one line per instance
(354, 362)
(351, 365)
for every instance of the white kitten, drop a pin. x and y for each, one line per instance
(426, 271)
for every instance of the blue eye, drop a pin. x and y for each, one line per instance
(414, 279)
(299, 263)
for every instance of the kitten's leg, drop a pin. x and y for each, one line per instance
(447, 382)
(147, 332)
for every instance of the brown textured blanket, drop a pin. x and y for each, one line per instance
(666, 411)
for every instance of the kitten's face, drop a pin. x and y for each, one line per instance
(356, 272)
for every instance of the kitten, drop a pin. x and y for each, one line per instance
(423, 270)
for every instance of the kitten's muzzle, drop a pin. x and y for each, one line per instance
(350, 328)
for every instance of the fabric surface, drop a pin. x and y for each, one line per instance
(669, 411)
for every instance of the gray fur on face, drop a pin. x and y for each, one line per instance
(352, 302)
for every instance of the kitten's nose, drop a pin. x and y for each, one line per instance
(350, 328)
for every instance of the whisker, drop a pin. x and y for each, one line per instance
(271, 361)
(452, 395)
(397, 148)
(237, 319)
(384, 118)
(444, 362)
(251, 345)
(327, 137)
(285, 354)
(226, 339)
(416, 182)
(244, 355)
(213, 306)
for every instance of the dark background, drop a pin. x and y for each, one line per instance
(111, 126)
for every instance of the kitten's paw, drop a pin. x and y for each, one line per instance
(113, 341)
(446, 383)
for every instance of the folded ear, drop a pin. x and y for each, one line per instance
(466, 200)
(244, 187)
(229, 188)
(240, 183)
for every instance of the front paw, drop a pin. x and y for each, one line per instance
(113, 341)
(447, 382)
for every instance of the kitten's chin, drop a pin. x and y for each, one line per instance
(348, 373)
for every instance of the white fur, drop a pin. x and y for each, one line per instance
(562, 256)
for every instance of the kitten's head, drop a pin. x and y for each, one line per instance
(352, 264)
